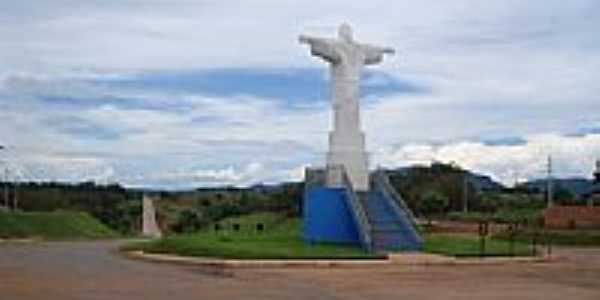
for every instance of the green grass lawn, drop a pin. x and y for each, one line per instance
(54, 226)
(272, 222)
(248, 247)
(282, 239)
(469, 245)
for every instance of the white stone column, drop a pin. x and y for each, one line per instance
(149, 225)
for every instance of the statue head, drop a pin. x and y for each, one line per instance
(345, 32)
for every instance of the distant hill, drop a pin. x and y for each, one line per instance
(478, 181)
(446, 179)
(577, 186)
(484, 182)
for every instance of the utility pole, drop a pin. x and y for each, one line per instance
(6, 200)
(16, 195)
(5, 181)
(465, 192)
(590, 200)
(597, 172)
(549, 184)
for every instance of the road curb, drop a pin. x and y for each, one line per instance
(18, 241)
(260, 263)
(410, 259)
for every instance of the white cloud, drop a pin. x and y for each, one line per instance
(240, 143)
(192, 34)
(494, 69)
(572, 157)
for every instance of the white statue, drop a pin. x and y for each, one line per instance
(346, 142)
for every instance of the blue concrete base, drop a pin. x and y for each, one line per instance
(327, 217)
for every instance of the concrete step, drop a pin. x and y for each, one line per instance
(387, 226)
(390, 228)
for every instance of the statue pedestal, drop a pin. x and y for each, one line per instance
(347, 149)
(328, 218)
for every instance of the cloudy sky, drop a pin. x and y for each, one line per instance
(182, 93)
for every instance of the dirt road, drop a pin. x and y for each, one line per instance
(93, 270)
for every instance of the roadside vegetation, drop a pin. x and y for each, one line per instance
(470, 246)
(435, 192)
(52, 226)
(182, 212)
(526, 216)
(576, 238)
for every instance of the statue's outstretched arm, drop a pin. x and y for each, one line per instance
(322, 47)
(305, 39)
(374, 54)
(387, 50)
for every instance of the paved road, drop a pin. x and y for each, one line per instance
(94, 270)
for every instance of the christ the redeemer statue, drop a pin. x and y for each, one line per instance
(346, 142)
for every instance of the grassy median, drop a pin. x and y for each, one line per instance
(281, 238)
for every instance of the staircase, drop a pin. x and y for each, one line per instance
(383, 220)
(392, 223)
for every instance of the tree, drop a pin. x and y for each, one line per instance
(564, 196)
(491, 202)
(432, 202)
(190, 220)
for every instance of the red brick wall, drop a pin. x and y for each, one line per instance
(567, 217)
